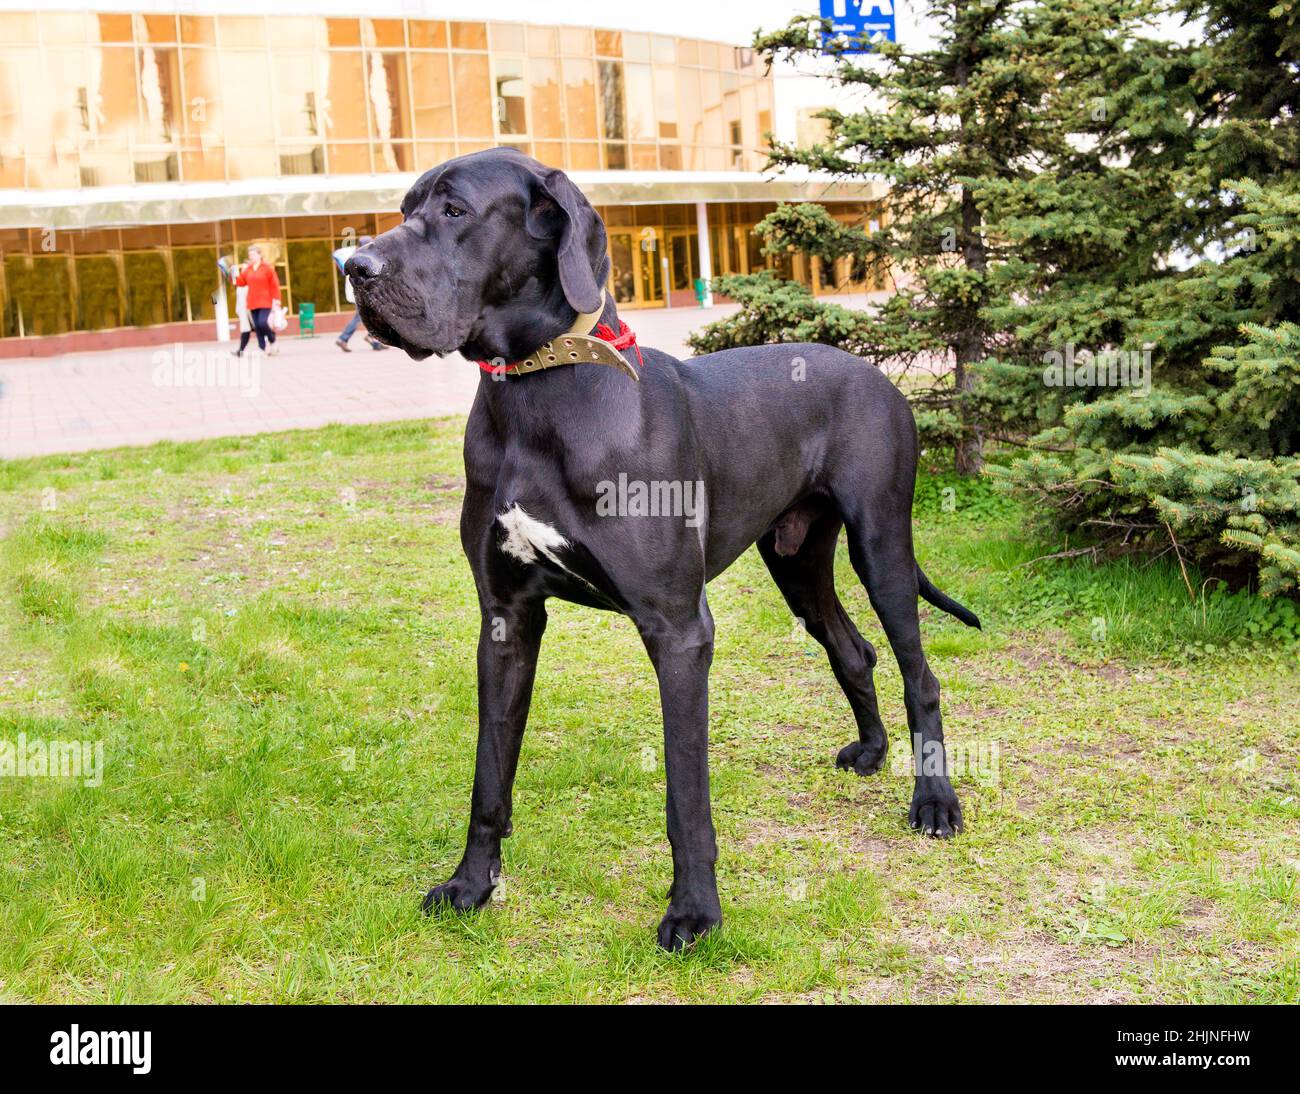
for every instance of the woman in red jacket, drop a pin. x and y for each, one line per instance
(263, 292)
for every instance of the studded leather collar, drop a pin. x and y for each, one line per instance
(586, 342)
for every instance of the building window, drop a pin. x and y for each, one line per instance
(472, 89)
(613, 115)
(390, 108)
(160, 168)
(612, 100)
(640, 102)
(344, 80)
(580, 100)
(469, 35)
(431, 96)
(511, 112)
(159, 82)
(310, 161)
(544, 98)
(195, 98)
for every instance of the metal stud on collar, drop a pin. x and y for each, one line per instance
(573, 343)
(577, 349)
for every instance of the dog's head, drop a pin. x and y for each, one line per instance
(495, 255)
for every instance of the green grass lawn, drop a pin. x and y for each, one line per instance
(274, 638)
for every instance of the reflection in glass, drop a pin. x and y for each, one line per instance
(685, 254)
(640, 102)
(583, 156)
(40, 288)
(250, 161)
(544, 94)
(344, 109)
(427, 34)
(622, 276)
(296, 95)
(473, 106)
(389, 107)
(431, 95)
(469, 36)
(650, 282)
(155, 97)
(512, 120)
(349, 159)
(148, 287)
(192, 268)
(97, 279)
(580, 100)
(245, 95)
(666, 103)
(611, 100)
(112, 106)
(154, 155)
(159, 94)
(311, 274)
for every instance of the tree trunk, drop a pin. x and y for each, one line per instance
(970, 347)
(970, 445)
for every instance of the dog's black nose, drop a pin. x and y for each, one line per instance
(363, 265)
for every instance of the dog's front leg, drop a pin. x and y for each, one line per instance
(682, 649)
(509, 640)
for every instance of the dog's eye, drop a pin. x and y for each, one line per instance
(450, 210)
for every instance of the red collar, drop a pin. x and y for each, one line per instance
(624, 339)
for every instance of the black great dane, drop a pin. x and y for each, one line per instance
(504, 260)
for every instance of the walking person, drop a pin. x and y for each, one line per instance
(263, 294)
(341, 257)
(241, 312)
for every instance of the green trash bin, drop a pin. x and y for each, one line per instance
(306, 320)
(701, 288)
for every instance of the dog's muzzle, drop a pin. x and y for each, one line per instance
(388, 307)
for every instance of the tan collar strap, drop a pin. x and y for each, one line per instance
(576, 346)
(586, 320)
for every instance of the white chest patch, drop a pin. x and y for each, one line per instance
(527, 537)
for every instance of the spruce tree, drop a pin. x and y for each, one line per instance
(940, 116)
(1185, 200)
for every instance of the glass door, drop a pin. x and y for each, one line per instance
(683, 264)
(622, 269)
(650, 276)
(634, 274)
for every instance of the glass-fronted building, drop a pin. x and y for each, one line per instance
(137, 148)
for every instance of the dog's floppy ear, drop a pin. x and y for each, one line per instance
(559, 209)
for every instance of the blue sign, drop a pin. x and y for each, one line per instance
(855, 20)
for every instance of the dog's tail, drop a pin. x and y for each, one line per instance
(944, 602)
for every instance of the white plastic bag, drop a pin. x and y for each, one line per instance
(279, 318)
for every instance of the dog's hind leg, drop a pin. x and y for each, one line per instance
(881, 552)
(802, 563)
(510, 637)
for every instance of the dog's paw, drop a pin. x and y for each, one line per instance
(681, 927)
(457, 895)
(863, 757)
(935, 809)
